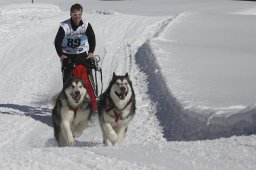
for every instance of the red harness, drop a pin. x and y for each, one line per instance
(75, 109)
(117, 115)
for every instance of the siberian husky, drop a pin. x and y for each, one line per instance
(116, 109)
(71, 112)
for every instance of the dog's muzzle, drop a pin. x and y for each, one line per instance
(122, 94)
(76, 97)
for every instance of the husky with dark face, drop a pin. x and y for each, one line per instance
(116, 109)
(71, 112)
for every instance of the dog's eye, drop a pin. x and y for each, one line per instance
(118, 84)
(80, 86)
(73, 86)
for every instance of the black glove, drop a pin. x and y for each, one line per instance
(90, 62)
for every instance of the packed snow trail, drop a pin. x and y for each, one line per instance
(31, 71)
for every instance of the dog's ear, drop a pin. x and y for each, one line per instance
(126, 75)
(114, 74)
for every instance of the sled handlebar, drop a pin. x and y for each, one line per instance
(95, 59)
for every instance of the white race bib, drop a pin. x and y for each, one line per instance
(74, 42)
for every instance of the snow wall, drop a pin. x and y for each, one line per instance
(189, 124)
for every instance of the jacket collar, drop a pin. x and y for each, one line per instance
(74, 27)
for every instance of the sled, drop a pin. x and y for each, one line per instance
(92, 69)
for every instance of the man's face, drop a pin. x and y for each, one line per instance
(76, 15)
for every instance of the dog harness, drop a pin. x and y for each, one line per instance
(83, 107)
(117, 115)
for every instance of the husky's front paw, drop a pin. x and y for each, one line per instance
(113, 136)
(111, 133)
(77, 134)
(71, 142)
(108, 143)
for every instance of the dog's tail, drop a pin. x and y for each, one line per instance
(55, 98)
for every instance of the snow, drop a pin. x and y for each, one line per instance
(192, 67)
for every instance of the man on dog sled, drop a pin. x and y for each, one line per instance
(75, 43)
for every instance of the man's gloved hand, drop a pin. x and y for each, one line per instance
(62, 57)
(90, 60)
(90, 55)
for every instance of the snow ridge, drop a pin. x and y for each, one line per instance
(179, 123)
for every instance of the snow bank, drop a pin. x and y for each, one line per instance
(189, 124)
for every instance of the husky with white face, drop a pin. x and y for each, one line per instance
(117, 107)
(71, 112)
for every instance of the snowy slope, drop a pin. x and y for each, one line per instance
(30, 74)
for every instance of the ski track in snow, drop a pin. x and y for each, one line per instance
(36, 65)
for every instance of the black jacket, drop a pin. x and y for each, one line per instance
(61, 33)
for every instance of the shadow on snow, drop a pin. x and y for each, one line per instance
(43, 115)
(37, 113)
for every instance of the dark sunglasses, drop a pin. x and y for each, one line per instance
(76, 14)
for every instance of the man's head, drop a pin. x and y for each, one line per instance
(76, 11)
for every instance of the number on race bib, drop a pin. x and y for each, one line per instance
(73, 43)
